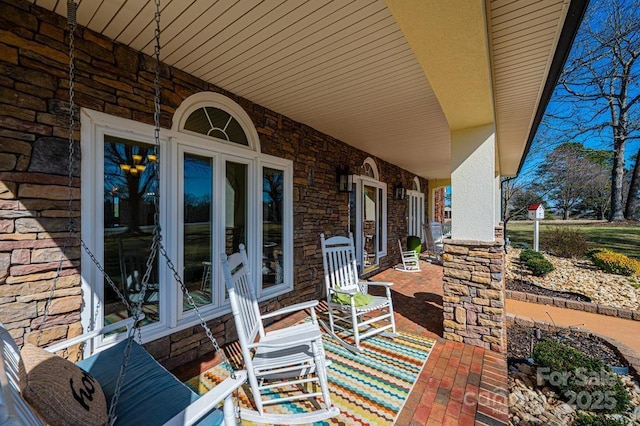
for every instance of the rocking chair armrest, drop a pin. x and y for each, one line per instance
(378, 283)
(203, 405)
(293, 308)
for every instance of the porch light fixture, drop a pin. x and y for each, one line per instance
(136, 167)
(344, 179)
(399, 191)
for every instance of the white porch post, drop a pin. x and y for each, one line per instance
(498, 199)
(473, 191)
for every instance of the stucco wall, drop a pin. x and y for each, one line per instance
(116, 80)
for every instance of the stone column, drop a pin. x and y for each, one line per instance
(474, 293)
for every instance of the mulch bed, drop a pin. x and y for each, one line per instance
(527, 287)
(519, 344)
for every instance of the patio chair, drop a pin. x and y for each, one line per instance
(410, 260)
(435, 239)
(284, 358)
(351, 309)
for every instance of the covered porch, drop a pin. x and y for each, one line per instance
(460, 384)
(264, 107)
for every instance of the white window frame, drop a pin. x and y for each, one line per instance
(174, 143)
(287, 167)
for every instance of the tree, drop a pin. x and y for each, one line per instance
(132, 187)
(598, 93)
(565, 173)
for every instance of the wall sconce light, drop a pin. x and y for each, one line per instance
(344, 179)
(399, 191)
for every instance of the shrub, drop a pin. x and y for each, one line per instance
(539, 266)
(592, 252)
(521, 245)
(581, 379)
(536, 262)
(597, 420)
(527, 254)
(616, 263)
(565, 242)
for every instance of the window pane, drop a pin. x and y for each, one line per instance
(129, 189)
(216, 123)
(272, 227)
(198, 184)
(235, 206)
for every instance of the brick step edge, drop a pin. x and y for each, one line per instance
(627, 352)
(560, 302)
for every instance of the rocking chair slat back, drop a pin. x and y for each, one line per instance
(340, 267)
(242, 295)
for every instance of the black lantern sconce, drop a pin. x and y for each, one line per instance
(344, 179)
(399, 191)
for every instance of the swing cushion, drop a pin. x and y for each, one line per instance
(150, 394)
(58, 390)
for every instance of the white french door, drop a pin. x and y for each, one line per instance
(415, 214)
(370, 223)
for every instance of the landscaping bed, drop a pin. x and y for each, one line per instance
(574, 276)
(528, 287)
(533, 400)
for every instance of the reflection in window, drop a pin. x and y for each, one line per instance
(272, 227)
(235, 206)
(198, 184)
(129, 190)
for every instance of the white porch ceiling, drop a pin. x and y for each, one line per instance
(342, 67)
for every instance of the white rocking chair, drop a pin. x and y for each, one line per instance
(435, 238)
(410, 260)
(341, 280)
(284, 358)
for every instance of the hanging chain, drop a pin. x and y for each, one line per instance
(71, 20)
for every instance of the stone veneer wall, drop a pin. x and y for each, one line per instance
(474, 293)
(117, 80)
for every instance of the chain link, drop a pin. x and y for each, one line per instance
(71, 15)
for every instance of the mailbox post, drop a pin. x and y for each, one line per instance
(536, 213)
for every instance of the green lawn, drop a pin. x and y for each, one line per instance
(623, 239)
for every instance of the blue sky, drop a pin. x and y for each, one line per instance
(555, 125)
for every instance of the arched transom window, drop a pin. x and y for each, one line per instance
(217, 123)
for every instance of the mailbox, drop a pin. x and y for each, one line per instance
(535, 212)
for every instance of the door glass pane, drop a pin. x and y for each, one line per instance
(198, 184)
(235, 206)
(129, 189)
(272, 227)
(370, 227)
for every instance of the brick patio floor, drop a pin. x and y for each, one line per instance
(459, 385)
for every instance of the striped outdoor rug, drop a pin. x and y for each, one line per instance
(369, 388)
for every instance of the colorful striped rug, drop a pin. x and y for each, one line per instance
(369, 388)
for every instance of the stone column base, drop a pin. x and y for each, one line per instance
(474, 293)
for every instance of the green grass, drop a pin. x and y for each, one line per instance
(621, 239)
